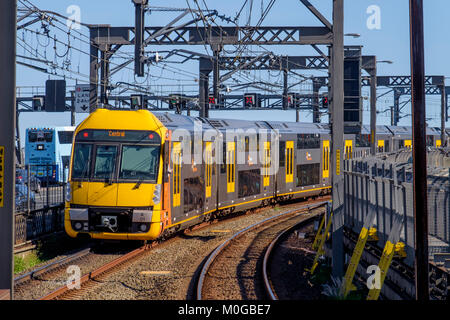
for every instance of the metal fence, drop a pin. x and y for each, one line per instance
(30, 226)
(383, 186)
(39, 187)
(39, 201)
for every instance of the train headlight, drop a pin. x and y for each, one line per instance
(157, 194)
(78, 226)
(68, 192)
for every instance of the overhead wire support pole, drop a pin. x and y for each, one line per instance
(139, 37)
(419, 149)
(443, 114)
(337, 118)
(8, 25)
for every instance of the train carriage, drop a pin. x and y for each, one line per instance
(146, 174)
(142, 175)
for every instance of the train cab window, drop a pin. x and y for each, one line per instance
(105, 162)
(139, 163)
(430, 141)
(81, 161)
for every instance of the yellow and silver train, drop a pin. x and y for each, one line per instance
(138, 175)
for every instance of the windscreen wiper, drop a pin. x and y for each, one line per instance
(138, 184)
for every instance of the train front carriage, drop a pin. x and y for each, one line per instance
(116, 177)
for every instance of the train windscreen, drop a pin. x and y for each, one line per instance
(139, 162)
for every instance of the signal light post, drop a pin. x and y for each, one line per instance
(337, 145)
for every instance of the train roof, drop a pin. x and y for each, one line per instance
(173, 121)
(365, 129)
(53, 128)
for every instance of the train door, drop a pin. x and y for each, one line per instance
(266, 165)
(348, 149)
(289, 161)
(380, 146)
(176, 180)
(326, 159)
(231, 166)
(408, 144)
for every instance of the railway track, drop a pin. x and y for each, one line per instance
(133, 276)
(235, 269)
(32, 285)
(271, 261)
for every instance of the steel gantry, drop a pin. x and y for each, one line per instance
(106, 40)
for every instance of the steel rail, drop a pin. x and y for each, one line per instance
(268, 255)
(221, 247)
(99, 271)
(50, 267)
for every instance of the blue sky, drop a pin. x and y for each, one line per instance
(390, 42)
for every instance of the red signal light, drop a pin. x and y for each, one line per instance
(85, 134)
(151, 136)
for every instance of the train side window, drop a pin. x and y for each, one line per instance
(249, 183)
(308, 174)
(193, 194)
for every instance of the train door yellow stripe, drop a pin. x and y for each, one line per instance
(326, 159)
(208, 178)
(289, 161)
(231, 158)
(348, 149)
(176, 173)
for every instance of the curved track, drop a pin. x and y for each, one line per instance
(233, 270)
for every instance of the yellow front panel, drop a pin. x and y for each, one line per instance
(326, 159)
(102, 194)
(289, 161)
(348, 149)
(380, 143)
(129, 196)
(231, 158)
(438, 143)
(176, 173)
(80, 191)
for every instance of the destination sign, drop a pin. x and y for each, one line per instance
(119, 136)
